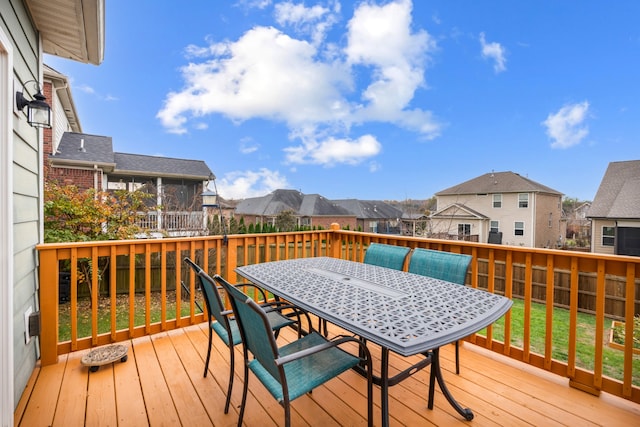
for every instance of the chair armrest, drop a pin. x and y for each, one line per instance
(283, 305)
(251, 285)
(340, 339)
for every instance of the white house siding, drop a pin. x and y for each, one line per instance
(24, 199)
(536, 230)
(596, 237)
(60, 123)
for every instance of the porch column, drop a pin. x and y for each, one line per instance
(159, 201)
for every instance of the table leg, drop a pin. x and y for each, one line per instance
(436, 374)
(384, 386)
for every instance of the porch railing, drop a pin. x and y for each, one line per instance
(605, 286)
(171, 221)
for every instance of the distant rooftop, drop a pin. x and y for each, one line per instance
(619, 193)
(86, 150)
(498, 182)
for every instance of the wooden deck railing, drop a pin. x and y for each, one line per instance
(605, 286)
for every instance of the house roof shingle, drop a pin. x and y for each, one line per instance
(83, 147)
(369, 209)
(131, 164)
(86, 149)
(619, 193)
(498, 182)
(282, 200)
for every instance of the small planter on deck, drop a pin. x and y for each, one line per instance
(617, 339)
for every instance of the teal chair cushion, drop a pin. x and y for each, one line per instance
(386, 255)
(307, 373)
(440, 265)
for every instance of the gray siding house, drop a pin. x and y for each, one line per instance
(72, 29)
(615, 211)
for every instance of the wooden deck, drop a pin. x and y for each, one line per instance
(162, 384)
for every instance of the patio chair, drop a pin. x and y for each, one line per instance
(386, 255)
(297, 368)
(444, 266)
(225, 326)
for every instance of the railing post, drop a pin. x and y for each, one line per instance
(232, 259)
(48, 276)
(336, 241)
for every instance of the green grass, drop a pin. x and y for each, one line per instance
(613, 359)
(122, 313)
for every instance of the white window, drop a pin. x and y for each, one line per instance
(464, 229)
(494, 226)
(519, 228)
(608, 236)
(523, 200)
(497, 200)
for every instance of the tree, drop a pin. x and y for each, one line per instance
(286, 221)
(71, 215)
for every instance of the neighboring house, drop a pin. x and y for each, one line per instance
(310, 210)
(615, 211)
(72, 29)
(500, 207)
(578, 225)
(373, 216)
(415, 224)
(88, 161)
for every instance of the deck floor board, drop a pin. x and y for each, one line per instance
(161, 383)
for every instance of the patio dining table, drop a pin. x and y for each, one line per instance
(402, 312)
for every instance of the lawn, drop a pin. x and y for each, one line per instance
(585, 346)
(122, 313)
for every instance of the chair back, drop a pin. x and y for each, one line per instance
(212, 297)
(440, 265)
(255, 329)
(386, 255)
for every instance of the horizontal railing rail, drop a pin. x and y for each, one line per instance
(140, 281)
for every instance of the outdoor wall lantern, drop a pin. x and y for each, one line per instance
(209, 199)
(38, 111)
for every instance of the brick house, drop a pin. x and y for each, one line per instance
(89, 161)
(310, 210)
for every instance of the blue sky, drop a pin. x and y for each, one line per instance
(369, 99)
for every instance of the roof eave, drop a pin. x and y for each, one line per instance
(73, 29)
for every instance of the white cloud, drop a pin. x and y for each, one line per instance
(311, 86)
(566, 127)
(264, 74)
(494, 51)
(247, 146)
(333, 151)
(86, 89)
(314, 21)
(380, 37)
(243, 184)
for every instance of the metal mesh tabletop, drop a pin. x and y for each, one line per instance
(404, 312)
